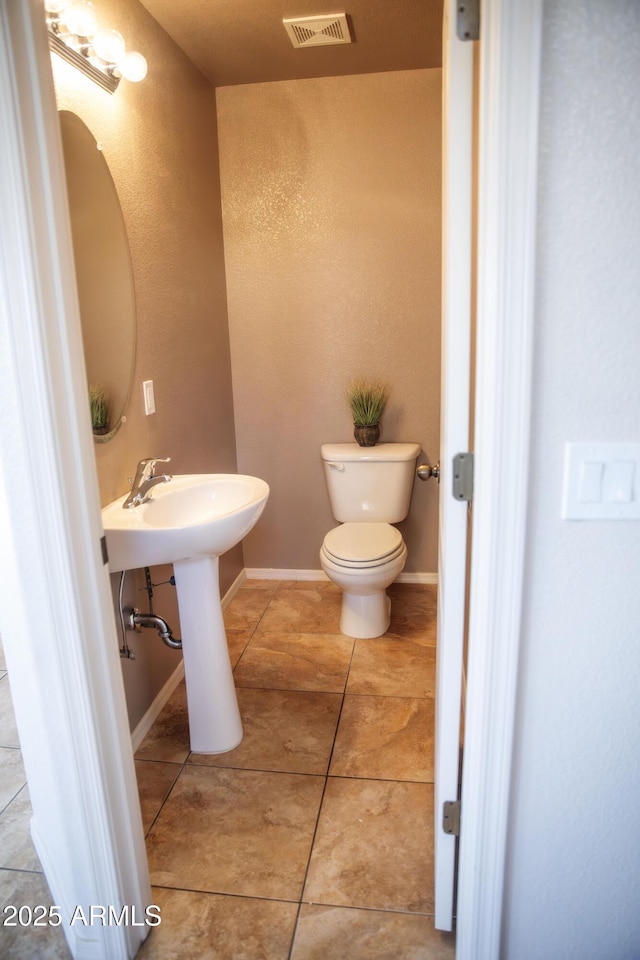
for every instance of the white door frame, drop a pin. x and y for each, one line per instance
(56, 604)
(510, 47)
(457, 264)
(56, 612)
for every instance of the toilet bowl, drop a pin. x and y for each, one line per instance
(363, 559)
(369, 491)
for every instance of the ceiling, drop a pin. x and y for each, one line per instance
(244, 41)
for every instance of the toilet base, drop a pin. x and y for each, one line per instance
(365, 616)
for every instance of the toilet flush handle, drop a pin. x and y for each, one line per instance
(425, 471)
(334, 465)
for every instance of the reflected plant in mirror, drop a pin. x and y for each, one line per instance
(103, 274)
(99, 406)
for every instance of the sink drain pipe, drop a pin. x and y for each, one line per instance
(132, 619)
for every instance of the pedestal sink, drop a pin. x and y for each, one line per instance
(189, 522)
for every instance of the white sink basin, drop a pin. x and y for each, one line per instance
(193, 515)
(189, 521)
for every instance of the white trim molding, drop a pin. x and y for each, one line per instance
(233, 589)
(508, 150)
(153, 712)
(270, 573)
(57, 616)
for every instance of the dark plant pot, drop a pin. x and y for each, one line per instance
(367, 436)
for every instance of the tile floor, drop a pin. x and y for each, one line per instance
(312, 839)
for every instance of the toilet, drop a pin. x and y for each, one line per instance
(369, 490)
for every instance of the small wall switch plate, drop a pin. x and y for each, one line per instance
(601, 481)
(149, 399)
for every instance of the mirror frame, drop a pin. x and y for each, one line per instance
(93, 205)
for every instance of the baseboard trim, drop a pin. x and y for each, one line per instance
(270, 573)
(149, 718)
(233, 589)
(151, 715)
(418, 578)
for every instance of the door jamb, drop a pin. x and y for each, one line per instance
(510, 50)
(57, 613)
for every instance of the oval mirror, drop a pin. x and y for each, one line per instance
(104, 277)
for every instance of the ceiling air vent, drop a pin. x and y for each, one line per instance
(318, 31)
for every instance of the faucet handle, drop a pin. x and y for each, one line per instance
(148, 465)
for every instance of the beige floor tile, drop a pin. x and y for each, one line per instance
(155, 780)
(12, 775)
(374, 846)
(392, 668)
(413, 612)
(16, 849)
(270, 586)
(237, 641)
(235, 831)
(168, 738)
(341, 933)
(8, 729)
(295, 661)
(246, 608)
(303, 609)
(291, 731)
(385, 738)
(211, 927)
(3, 663)
(29, 943)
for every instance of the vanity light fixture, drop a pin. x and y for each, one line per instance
(100, 53)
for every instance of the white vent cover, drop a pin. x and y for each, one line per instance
(318, 31)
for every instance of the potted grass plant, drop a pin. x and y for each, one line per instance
(367, 399)
(99, 405)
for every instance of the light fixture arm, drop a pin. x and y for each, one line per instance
(107, 80)
(100, 54)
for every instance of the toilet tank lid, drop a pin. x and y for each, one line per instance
(342, 452)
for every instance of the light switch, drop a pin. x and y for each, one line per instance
(149, 399)
(618, 487)
(590, 483)
(601, 481)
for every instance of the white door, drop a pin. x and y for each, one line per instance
(455, 394)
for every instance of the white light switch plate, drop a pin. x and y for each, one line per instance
(601, 481)
(149, 399)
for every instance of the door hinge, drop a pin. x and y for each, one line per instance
(451, 817)
(463, 476)
(103, 547)
(468, 20)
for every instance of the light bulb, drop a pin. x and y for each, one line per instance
(55, 6)
(80, 18)
(109, 45)
(133, 66)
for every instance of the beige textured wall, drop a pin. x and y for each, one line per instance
(159, 139)
(331, 213)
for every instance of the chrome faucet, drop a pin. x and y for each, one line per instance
(144, 480)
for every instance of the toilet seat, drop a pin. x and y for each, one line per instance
(363, 545)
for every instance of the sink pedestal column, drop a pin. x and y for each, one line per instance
(214, 718)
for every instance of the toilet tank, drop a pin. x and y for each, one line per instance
(370, 484)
